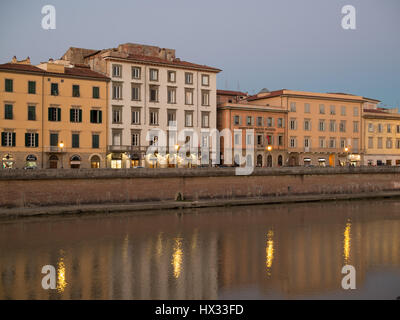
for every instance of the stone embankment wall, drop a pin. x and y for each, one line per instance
(38, 188)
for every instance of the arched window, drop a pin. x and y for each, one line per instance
(269, 161)
(53, 161)
(75, 162)
(259, 160)
(280, 161)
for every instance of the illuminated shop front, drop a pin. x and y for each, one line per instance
(8, 161)
(31, 162)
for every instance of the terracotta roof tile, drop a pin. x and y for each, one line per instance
(231, 93)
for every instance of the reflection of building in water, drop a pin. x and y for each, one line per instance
(286, 250)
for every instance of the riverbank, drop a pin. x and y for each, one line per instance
(154, 207)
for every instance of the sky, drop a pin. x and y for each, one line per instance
(274, 44)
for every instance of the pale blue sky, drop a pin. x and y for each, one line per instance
(293, 44)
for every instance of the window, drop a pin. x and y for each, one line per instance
(332, 143)
(321, 125)
(153, 75)
(32, 87)
(322, 142)
(249, 121)
(153, 117)
(398, 129)
(236, 120)
(54, 139)
(293, 142)
(135, 115)
(280, 140)
(54, 89)
(307, 125)
(380, 143)
(270, 122)
(370, 142)
(136, 139)
(370, 127)
(116, 114)
(355, 111)
(54, 114)
(8, 111)
(398, 143)
(307, 108)
(136, 72)
(307, 143)
(281, 123)
(342, 126)
(205, 80)
(32, 113)
(293, 106)
(117, 70)
(95, 141)
(8, 85)
(205, 119)
(75, 115)
(322, 109)
(355, 145)
(153, 93)
(171, 118)
(96, 92)
(95, 116)
(75, 140)
(342, 143)
(31, 140)
(188, 96)
(205, 98)
(270, 140)
(237, 138)
(117, 91)
(293, 124)
(188, 78)
(75, 91)
(172, 76)
(135, 92)
(389, 128)
(259, 121)
(188, 119)
(332, 126)
(380, 128)
(332, 110)
(116, 137)
(355, 126)
(8, 139)
(171, 95)
(343, 110)
(389, 144)
(259, 139)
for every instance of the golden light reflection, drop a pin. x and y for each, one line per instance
(61, 281)
(269, 251)
(347, 241)
(177, 257)
(159, 244)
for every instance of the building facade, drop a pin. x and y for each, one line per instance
(155, 100)
(323, 129)
(235, 122)
(52, 116)
(382, 137)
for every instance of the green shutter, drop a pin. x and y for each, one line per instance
(9, 85)
(50, 111)
(80, 115)
(58, 114)
(26, 139)
(13, 139)
(91, 116)
(95, 141)
(100, 116)
(36, 140)
(3, 139)
(8, 112)
(71, 115)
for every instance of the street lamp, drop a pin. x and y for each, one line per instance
(61, 145)
(269, 148)
(346, 149)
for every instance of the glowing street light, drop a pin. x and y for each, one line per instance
(269, 148)
(177, 147)
(61, 145)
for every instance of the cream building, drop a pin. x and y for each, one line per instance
(151, 93)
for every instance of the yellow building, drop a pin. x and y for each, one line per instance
(382, 136)
(54, 115)
(323, 129)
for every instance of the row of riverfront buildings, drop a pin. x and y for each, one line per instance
(106, 108)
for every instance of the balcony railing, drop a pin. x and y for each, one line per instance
(55, 149)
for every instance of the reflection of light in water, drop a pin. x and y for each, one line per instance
(61, 282)
(194, 239)
(159, 244)
(269, 251)
(177, 257)
(346, 242)
(125, 246)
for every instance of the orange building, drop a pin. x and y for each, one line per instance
(269, 139)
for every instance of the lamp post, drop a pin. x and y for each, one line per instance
(269, 149)
(177, 147)
(61, 145)
(346, 150)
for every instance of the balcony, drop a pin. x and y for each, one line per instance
(55, 149)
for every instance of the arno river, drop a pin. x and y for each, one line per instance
(291, 251)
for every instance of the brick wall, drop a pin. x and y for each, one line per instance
(64, 187)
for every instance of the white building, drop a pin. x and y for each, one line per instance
(154, 97)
